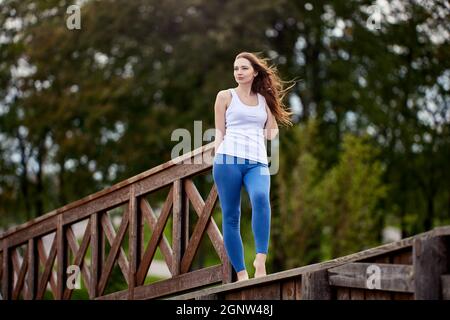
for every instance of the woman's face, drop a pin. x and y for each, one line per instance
(243, 71)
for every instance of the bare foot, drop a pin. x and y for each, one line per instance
(260, 267)
(242, 275)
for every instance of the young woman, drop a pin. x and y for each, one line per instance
(244, 117)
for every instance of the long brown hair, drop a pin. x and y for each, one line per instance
(269, 84)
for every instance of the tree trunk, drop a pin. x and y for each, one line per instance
(24, 183)
(39, 179)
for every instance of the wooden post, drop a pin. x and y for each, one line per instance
(33, 268)
(141, 230)
(227, 271)
(178, 227)
(430, 260)
(445, 280)
(133, 243)
(97, 253)
(6, 284)
(185, 201)
(61, 252)
(315, 286)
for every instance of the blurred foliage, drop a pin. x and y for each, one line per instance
(83, 109)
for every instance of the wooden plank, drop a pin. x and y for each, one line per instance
(402, 296)
(15, 267)
(356, 294)
(374, 294)
(342, 293)
(33, 269)
(216, 238)
(298, 272)
(110, 234)
(209, 297)
(366, 254)
(401, 257)
(212, 230)
(379, 295)
(79, 253)
(152, 221)
(155, 239)
(47, 272)
(203, 152)
(288, 290)
(199, 229)
(133, 242)
(431, 260)
(177, 227)
(445, 280)
(107, 201)
(298, 288)
(186, 215)
(73, 215)
(19, 268)
(113, 253)
(355, 275)
(97, 243)
(32, 231)
(141, 230)
(6, 285)
(270, 291)
(61, 256)
(22, 272)
(177, 284)
(194, 196)
(48, 265)
(234, 295)
(168, 177)
(227, 271)
(315, 286)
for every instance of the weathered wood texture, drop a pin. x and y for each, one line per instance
(107, 243)
(347, 277)
(431, 260)
(316, 286)
(391, 277)
(35, 256)
(445, 280)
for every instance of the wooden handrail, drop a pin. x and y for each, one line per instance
(19, 271)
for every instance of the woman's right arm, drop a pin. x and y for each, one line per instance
(219, 118)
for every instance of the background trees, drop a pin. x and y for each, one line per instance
(83, 109)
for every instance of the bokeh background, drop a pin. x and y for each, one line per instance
(366, 161)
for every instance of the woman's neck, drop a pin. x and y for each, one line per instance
(245, 89)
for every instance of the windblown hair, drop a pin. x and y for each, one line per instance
(269, 84)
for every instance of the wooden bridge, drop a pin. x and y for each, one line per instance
(413, 268)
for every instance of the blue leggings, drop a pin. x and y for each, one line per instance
(229, 173)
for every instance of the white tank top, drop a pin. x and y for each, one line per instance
(244, 134)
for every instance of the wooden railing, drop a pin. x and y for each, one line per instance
(415, 268)
(28, 270)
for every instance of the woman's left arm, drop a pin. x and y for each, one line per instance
(271, 127)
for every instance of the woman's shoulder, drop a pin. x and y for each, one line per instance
(225, 95)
